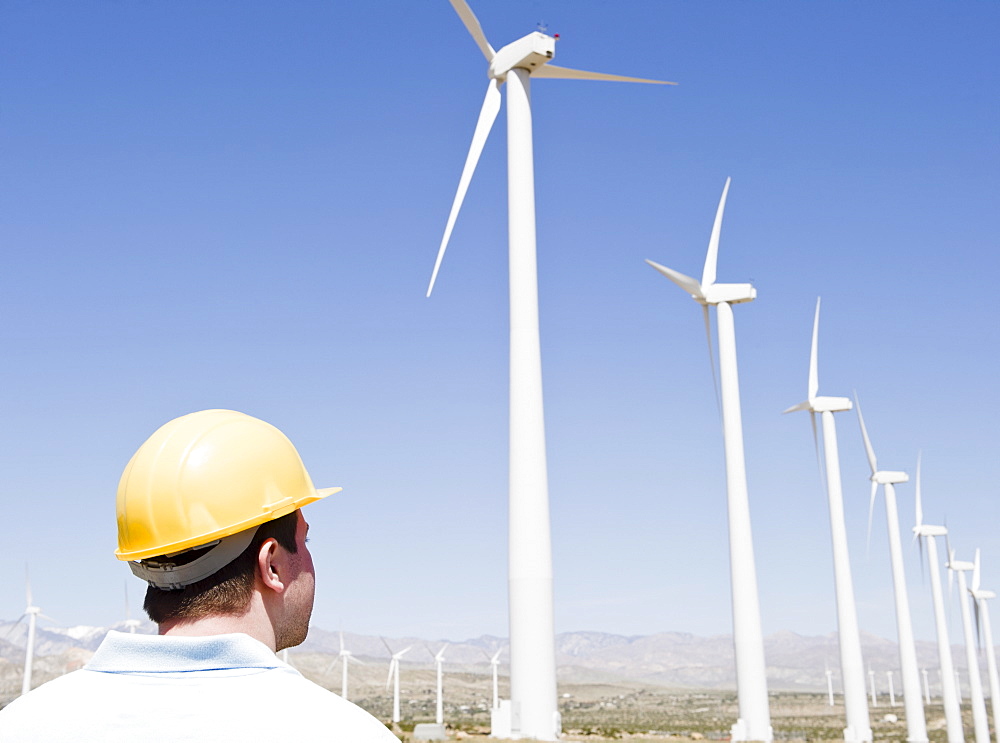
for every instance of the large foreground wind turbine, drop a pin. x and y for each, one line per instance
(981, 596)
(532, 635)
(851, 664)
(979, 720)
(949, 693)
(754, 722)
(916, 723)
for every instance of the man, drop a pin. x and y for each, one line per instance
(208, 515)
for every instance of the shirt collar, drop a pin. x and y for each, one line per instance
(125, 652)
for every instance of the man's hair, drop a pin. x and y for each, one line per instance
(227, 591)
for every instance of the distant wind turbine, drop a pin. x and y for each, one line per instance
(892, 691)
(979, 720)
(848, 634)
(130, 624)
(394, 677)
(346, 658)
(949, 693)
(871, 683)
(33, 613)
(981, 596)
(495, 663)
(532, 634)
(438, 662)
(754, 722)
(829, 685)
(916, 723)
(927, 687)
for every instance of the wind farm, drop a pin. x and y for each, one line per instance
(251, 225)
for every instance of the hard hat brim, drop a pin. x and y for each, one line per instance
(277, 513)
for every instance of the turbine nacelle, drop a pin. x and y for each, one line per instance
(926, 530)
(728, 293)
(888, 477)
(823, 405)
(529, 53)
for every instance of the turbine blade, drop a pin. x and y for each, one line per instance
(819, 459)
(691, 286)
(496, 655)
(872, 462)
(712, 257)
(711, 357)
(27, 587)
(979, 634)
(920, 507)
(565, 73)
(871, 511)
(392, 667)
(796, 408)
(11, 627)
(813, 357)
(487, 115)
(920, 543)
(403, 652)
(342, 641)
(472, 25)
(386, 646)
(975, 572)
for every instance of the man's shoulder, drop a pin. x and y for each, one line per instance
(315, 705)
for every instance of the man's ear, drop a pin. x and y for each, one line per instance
(271, 565)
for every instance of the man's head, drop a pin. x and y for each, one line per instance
(208, 516)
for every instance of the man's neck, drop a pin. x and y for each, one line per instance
(254, 622)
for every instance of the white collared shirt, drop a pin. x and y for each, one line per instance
(157, 689)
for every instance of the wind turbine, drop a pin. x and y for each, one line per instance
(495, 663)
(949, 694)
(130, 624)
(892, 691)
(393, 677)
(849, 636)
(980, 723)
(829, 685)
(532, 634)
(983, 616)
(754, 722)
(346, 658)
(33, 613)
(438, 662)
(871, 683)
(916, 723)
(927, 686)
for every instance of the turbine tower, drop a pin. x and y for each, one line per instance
(532, 632)
(916, 723)
(949, 694)
(852, 667)
(983, 616)
(393, 677)
(754, 722)
(980, 723)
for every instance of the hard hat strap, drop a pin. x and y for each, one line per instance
(170, 576)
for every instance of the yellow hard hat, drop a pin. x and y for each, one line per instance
(205, 476)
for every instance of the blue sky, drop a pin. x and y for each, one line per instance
(239, 205)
